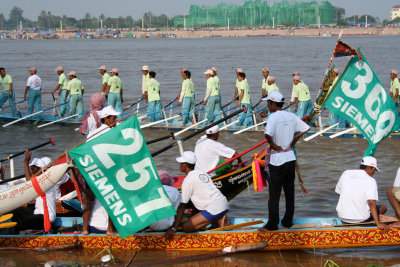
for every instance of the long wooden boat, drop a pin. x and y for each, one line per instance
(328, 233)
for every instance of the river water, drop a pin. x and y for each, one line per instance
(321, 160)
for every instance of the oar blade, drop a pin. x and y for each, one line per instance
(6, 217)
(7, 225)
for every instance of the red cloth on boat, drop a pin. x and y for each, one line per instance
(46, 219)
(269, 153)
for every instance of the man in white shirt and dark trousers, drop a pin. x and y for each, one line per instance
(358, 193)
(199, 188)
(283, 130)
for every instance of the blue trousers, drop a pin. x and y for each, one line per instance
(76, 105)
(11, 101)
(64, 108)
(305, 108)
(187, 108)
(333, 118)
(34, 99)
(154, 110)
(213, 108)
(115, 101)
(248, 121)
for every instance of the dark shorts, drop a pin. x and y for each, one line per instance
(371, 218)
(94, 230)
(211, 217)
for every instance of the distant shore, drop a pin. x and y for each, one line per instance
(324, 32)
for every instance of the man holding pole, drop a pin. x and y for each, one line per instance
(34, 86)
(283, 130)
(302, 97)
(152, 96)
(104, 79)
(8, 92)
(186, 97)
(75, 88)
(114, 91)
(212, 98)
(145, 77)
(264, 84)
(395, 89)
(62, 89)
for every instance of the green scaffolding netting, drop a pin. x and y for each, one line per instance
(258, 12)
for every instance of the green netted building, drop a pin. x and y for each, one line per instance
(254, 13)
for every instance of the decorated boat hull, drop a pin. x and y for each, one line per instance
(287, 239)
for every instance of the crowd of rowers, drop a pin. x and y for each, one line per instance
(357, 189)
(71, 90)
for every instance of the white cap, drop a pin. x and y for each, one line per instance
(102, 67)
(59, 68)
(214, 69)
(370, 161)
(271, 79)
(33, 68)
(275, 96)
(239, 70)
(393, 72)
(46, 160)
(72, 73)
(108, 111)
(296, 73)
(209, 72)
(297, 78)
(265, 69)
(115, 70)
(145, 67)
(213, 130)
(38, 163)
(187, 157)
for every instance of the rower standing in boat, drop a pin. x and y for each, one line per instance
(173, 194)
(76, 89)
(61, 88)
(186, 98)
(212, 98)
(333, 118)
(302, 97)
(393, 194)
(114, 91)
(152, 96)
(104, 79)
(8, 92)
(244, 100)
(265, 73)
(34, 86)
(295, 73)
(358, 193)
(395, 89)
(218, 86)
(145, 77)
(283, 130)
(238, 70)
(199, 188)
(208, 152)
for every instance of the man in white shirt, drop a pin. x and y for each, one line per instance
(358, 193)
(283, 130)
(393, 194)
(173, 194)
(34, 86)
(208, 151)
(199, 188)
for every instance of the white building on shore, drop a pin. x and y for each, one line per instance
(395, 12)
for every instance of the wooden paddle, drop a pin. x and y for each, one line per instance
(7, 225)
(235, 226)
(223, 252)
(6, 217)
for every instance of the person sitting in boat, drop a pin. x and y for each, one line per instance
(91, 121)
(114, 91)
(245, 118)
(393, 194)
(173, 194)
(358, 195)
(186, 98)
(199, 188)
(152, 96)
(24, 216)
(212, 98)
(208, 152)
(76, 89)
(95, 217)
(8, 92)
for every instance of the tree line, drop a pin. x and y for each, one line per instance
(46, 20)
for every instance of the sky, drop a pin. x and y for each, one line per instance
(136, 8)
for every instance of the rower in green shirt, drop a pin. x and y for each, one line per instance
(61, 88)
(264, 84)
(212, 99)
(395, 89)
(76, 90)
(145, 77)
(104, 79)
(114, 91)
(302, 97)
(245, 118)
(8, 92)
(152, 96)
(186, 98)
